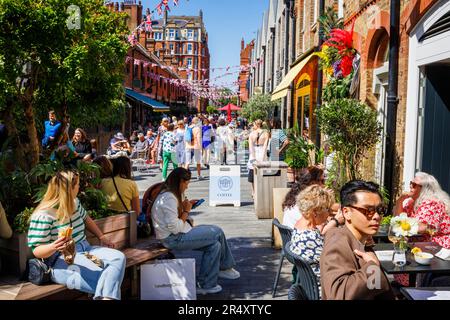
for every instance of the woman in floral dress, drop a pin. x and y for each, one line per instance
(315, 204)
(428, 203)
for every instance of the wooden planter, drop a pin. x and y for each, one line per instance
(121, 229)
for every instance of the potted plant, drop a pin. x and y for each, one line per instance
(297, 153)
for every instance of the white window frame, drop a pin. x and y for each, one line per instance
(316, 10)
(189, 45)
(172, 48)
(171, 34)
(157, 36)
(190, 34)
(189, 63)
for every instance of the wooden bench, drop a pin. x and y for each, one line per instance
(143, 251)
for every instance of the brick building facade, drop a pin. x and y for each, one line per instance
(244, 74)
(181, 42)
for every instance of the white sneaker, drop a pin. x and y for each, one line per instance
(204, 291)
(230, 274)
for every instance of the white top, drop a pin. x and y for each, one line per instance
(291, 216)
(165, 216)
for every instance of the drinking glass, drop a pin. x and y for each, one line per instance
(392, 236)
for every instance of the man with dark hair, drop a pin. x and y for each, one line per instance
(52, 130)
(350, 270)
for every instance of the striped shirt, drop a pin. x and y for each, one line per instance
(44, 226)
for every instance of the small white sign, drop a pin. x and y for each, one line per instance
(225, 185)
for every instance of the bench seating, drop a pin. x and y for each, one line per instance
(144, 250)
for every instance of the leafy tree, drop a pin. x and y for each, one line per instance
(259, 107)
(352, 129)
(211, 109)
(45, 64)
(224, 101)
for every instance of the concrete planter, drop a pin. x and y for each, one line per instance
(121, 229)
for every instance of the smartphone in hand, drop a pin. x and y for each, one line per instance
(198, 203)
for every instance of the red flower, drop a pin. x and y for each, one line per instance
(346, 65)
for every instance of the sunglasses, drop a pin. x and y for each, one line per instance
(414, 185)
(370, 212)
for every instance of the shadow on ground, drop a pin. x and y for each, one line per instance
(257, 262)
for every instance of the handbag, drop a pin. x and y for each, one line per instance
(39, 273)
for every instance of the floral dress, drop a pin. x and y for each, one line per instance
(309, 245)
(434, 213)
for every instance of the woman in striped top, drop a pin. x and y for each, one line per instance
(61, 208)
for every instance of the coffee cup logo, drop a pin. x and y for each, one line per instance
(225, 183)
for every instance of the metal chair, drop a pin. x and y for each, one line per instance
(306, 278)
(296, 292)
(286, 234)
(141, 161)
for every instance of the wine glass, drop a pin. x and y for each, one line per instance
(392, 236)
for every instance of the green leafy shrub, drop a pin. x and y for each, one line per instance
(297, 152)
(352, 129)
(22, 220)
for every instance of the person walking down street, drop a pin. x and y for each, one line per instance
(258, 142)
(193, 141)
(180, 146)
(82, 145)
(207, 137)
(59, 209)
(224, 143)
(161, 130)
(169, 154)
(173, 226)
(52, 131)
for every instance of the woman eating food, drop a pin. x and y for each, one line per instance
(57, 235)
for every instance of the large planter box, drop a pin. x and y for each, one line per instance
(121, 229)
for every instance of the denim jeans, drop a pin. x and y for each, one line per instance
(216, 252)
(84, 275)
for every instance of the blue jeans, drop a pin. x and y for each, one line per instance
(216, 252)
(84, 275)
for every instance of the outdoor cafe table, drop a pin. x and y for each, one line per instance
(412, 268)
(427, 293)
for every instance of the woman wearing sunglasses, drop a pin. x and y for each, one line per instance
(427, 202)
(60, 208)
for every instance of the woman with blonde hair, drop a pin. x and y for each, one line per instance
(59, 210)
(307, 240)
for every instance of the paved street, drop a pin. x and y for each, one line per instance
(249, 237)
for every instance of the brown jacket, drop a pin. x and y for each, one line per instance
(346, 276)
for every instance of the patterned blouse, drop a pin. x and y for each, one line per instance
(309, 245)
(169, 142)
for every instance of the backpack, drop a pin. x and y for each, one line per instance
(147, 203)
(188, 135)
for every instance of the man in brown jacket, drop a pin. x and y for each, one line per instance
(349, 270)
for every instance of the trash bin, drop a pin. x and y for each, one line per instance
(268, 175)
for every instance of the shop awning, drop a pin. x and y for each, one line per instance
(156, 105)
(282, 89)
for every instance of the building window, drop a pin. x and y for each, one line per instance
(189, 48)
(189, 63)
(190, 34)
(172, 49)
(157, 36)
(340, 8)
(171, 34)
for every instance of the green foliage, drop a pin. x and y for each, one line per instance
(22, 220)
(224, 101)
(352, 129)
(337, 89)
(297, 152)
(259, 107)
(45, 65)
(330, 20)
(96, 203)
(320, 155)
(211, 109)
(386, 220)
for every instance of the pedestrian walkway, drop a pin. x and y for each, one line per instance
(249, 238)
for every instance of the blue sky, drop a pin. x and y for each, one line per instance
(227, 22)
